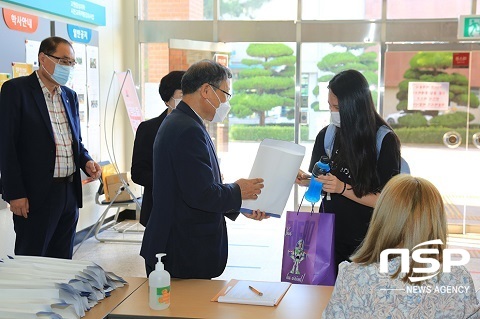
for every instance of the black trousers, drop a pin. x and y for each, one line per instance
(49, 230)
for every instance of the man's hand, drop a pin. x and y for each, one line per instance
(93, 170)
(250, 188)
(257, 215)
(20, 207)
(303, 179)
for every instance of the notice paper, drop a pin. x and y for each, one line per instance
(277, 162)
(260, 293)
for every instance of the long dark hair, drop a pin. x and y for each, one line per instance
(357, 133)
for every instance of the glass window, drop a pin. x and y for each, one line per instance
(258, 10)
(155, 65)
(427, 9)
(341, 9)
(433, 138)
(318, 68)
(175, 9)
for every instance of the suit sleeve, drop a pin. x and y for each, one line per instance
(10, 111)
(142, 157)
(196, 179)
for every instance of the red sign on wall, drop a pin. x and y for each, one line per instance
(221, 59)
(461, 60)
(20, 21)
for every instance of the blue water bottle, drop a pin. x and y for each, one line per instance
(322, 167)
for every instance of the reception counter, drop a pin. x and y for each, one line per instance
(190, 298)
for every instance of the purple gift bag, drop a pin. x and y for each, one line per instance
(308, 249)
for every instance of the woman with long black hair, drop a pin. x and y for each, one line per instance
(359, 169)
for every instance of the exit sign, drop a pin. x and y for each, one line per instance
(469, 27)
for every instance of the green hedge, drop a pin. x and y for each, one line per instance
(408, 135)
(431, 135)
(240, 132)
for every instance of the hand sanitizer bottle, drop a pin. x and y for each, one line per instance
(159, 286)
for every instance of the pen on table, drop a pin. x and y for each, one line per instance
(256, 291)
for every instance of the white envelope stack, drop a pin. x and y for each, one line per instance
(39, 287)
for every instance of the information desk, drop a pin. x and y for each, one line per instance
(190, 298)
(105, 306)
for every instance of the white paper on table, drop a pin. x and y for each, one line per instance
(277, 162)
(26, 314)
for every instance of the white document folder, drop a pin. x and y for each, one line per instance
(277, 162)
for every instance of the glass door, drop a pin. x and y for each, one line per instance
(432, 102)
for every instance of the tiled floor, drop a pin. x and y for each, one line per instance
(255, 250)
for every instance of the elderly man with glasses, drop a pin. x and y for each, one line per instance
(41, 154)
(190, 201)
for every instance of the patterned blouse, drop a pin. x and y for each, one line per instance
(363, 292)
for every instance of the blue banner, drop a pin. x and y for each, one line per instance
(79, 34)
(80, 10)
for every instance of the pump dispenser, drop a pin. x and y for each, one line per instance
(159, 284)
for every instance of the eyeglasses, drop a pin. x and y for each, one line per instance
(229, 96)
(62, 61)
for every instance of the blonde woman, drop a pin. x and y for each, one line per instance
(409, 212)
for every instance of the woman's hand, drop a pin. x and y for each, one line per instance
(331, 184)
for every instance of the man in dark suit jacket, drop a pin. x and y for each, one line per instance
(190, 201)
(42, 153)
(170, 90)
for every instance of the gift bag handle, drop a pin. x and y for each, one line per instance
(321, 207)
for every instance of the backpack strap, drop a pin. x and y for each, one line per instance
(382, 131)
(329, 139)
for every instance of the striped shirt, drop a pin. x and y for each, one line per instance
(64, 164)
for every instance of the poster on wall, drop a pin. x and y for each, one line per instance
(426, 96)
(31, 52)
(92, 100)
(78, 82)
(93, 87)
(21, 69)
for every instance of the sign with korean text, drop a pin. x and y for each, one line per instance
(468, 27)
(425, 96)
(20, 21)
(79, 34)
(80, 10)
(461, 60)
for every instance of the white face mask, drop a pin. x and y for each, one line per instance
(176, 102)
(335, 118)
(222, 110)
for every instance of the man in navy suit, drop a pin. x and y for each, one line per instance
(190, 201)
(41, 154)
(170, 90)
